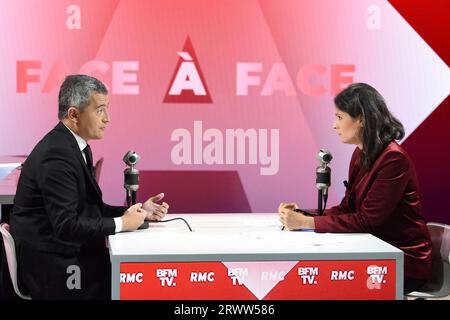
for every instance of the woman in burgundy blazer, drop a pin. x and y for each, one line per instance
(382, 196)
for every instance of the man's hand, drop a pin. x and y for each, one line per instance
(154, 211)
(133, 218)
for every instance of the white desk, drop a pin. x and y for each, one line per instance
(8, 184)
(247, 256)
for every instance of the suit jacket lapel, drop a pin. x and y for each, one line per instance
(86, 170)
(62, 128)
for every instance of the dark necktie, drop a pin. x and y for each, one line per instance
(88, 153)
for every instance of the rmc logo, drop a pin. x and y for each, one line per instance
(188, 83)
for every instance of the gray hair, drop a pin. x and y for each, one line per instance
(76, 92)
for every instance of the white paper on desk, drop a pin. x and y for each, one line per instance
(301, 237)
(168, 242)
(266, 222)
(7, 168)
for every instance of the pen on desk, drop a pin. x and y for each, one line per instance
(306, 229)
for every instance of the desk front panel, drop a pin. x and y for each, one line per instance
(259, 280)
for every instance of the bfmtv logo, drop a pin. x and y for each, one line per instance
(376, 276)
(188, 83)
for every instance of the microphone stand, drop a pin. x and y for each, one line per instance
(131, 185)
(319, 201)
(323, 181)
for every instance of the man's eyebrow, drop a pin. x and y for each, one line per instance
(101, 105)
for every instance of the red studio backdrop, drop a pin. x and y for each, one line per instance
(228, 102)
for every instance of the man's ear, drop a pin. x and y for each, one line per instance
(73, 114)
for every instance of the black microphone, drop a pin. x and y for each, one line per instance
(323, 178)
(131, 178)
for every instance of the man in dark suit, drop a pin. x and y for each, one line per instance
(59, 221)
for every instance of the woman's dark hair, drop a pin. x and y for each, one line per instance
(380, 127)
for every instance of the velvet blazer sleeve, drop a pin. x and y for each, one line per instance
(390, 177)
(343, 207)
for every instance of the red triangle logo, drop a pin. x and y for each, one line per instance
(188, 84)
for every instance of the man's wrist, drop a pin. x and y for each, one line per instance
(119, 224)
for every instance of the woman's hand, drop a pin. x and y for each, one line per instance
(288, 206)
(294, 220)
